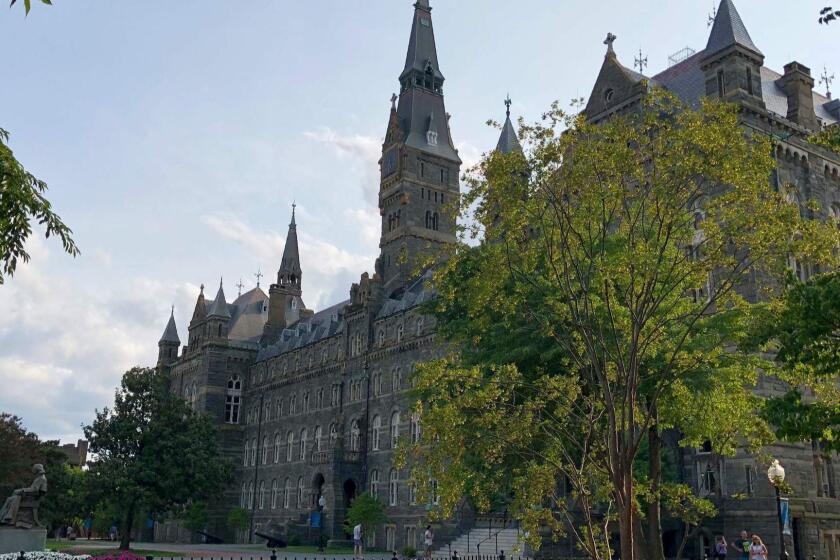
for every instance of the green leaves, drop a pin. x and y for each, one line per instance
(367, 510)
(22, 202)
(27, 4)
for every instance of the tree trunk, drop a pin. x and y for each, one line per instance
(125, 539)
(626, 515)
(655, 550)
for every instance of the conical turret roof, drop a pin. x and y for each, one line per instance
(508, 140)
(200, 312)
(728, 30)
(220, 306)
(170, 334)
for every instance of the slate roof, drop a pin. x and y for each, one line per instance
(170, 334)
(421, 44)
(686, 80)
(508, 140)
(290, 262)
(728, 30)
(248, 316)
(220, 307)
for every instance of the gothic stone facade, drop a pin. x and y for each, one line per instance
(313, 404)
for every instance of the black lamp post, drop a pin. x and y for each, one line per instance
(776, 475)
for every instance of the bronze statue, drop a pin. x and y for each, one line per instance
(21, 508)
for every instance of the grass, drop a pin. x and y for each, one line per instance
(81, 547)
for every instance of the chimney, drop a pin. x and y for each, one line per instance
(799, 88)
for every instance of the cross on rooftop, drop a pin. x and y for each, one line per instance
(641, 62)
(712, 16)
(394, 100)
(827, 80)
(508, 103)
(609, 42)
(258, 275)
(240, 285)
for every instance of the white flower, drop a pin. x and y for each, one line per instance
(43, 556)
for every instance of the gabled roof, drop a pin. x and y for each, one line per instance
(728, 30)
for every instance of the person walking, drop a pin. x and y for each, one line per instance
(757, 549)
(357, 542)
(720, 548)
(428, 539)
(742, 545)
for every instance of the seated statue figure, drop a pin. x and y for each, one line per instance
(21, 508)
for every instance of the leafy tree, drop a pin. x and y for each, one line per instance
(22, 202)
(153, 453)
(828, 138)
(614, 246)
(238, 519)
(195, 516)
(20, 449)
(367, 510)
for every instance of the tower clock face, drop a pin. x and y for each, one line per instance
(389, 162)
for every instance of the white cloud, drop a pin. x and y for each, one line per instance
(363, 153)
(327, 269)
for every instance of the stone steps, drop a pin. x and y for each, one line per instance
(476, 542)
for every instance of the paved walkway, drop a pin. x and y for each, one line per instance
(224, 551)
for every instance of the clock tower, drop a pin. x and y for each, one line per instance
(419, 188)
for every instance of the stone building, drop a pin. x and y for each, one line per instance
(312, 404)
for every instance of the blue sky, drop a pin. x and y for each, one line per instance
(175, 135)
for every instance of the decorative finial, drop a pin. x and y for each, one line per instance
(294, 206)
(641, 62)
(827, 80)
(394, 101)
(202, 288)
(172, 314)
(221, 282)
(609, 42)
(508, 103)
(240, 286)
(258, 275)
(712, 16)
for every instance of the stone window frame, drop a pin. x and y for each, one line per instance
(278, 447)
(261, 495)
(374, 483)
(376, 432)
(290, 445)
(316, 437)
(394, 429)
(393, 488)
(304, 435)
(287, 492)
(275, 492)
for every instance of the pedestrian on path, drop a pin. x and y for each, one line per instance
(720, 548)
(357, 542)
(757, 549)
(428, 539)
(742, 545)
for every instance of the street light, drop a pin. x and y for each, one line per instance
(322, 507)
(776, 475)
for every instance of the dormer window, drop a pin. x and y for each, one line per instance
(608, 95)
(432, 138)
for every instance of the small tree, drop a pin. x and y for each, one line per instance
(153, 453)
(238, 519)
(195, 517)
(367, 510)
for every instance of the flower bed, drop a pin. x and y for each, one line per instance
(43, 556)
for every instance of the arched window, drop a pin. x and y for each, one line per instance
(287, 493)
(290, 444)
(262, 494)
(275, 493)
(399, 332)
(435, 219)
(265, 446)
(395, 430)
(243, 499)
(396, 381)
(428, 219)
(247, 453)
(292, 404)
(278, 445)
(381, 337)
(250, 495)
(306, 401)
(354, 435)
(317, 438)
(300, 504)
(303, 437)
(415, 428)
(393, 487)
(254, 452)
(279, 408)
(377, 429)
(419, 326)
(267, 415)
(374, 483)
(194, 397)
(333, 434)
(233, 400)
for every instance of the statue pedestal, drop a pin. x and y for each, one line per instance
(26, 540)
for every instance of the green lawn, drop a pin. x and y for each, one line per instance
(81, 547)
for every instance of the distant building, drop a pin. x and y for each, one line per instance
(76, 454)
(312, 404)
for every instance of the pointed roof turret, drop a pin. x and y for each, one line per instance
(290, 271)
(200, 312)
(508, 141)
(220, 306)
(729, 30)
(422, 51)
(170, 334)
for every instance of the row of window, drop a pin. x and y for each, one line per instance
(281, 497)
(394, 488)
(278, 447)
(273, 410)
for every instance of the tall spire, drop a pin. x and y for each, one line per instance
(422, 52)
(220, 307)
(290, 272)
(170, 334)
(728, 30)
(508, 141)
